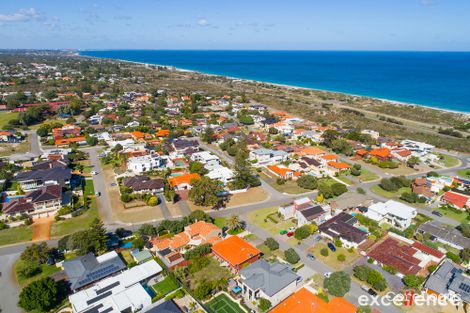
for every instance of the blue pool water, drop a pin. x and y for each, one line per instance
(149, 291)
(436, 79)
(127, 245)
(11, 198)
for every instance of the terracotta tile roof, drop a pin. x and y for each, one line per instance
(381, 152)
(307, 302)
(397, 254)
(163, 133)
(282, 171)
(311, 151)
(362, 152)
(179, 240)
(339, 165)
(330, 157)
(66, 141)
(457, 199)
(201, 228)
(428, 250)
(183, 179)
(235, 250)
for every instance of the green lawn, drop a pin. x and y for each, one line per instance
(5, 117)
(89, 189)
(223, 304)
(166, 286)
(387, 194)
(7, 149)
(367, 175)
(259, 218)
(327, 181)
(267, 253)
(459, 217)
(15, 235)
(464, 173)
(345, 180)
(289, 187)
(448, 161)
(220, 221)
(332, 258)
(66, 227)
(46, 271)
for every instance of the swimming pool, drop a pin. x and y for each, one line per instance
(127, 245)
(149, 291)
(8, 199)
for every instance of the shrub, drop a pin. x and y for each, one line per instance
(271, 243)
(125, 197)
(324, 252)
(264, 304)
(341, 257)
(307, 182)
(302, 232)
(454, 257)
(338, 284)
(390, 269)
(291, 256)
(413, 281)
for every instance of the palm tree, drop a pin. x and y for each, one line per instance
(234, 222)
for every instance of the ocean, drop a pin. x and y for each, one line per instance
(435, 79)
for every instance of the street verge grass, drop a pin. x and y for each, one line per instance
(15, 235)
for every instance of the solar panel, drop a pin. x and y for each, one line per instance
(465, 287)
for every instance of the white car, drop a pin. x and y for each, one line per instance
(94, 173)
(327, 274)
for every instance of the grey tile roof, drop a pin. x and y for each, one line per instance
(451, 236)
(269, 277)
(449, 277)
(56, 173)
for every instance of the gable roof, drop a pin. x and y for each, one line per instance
(235, 250)
(55, 173)
(183, 179)
(26, 203)
(138, 183)
(342, 226)
(457, 199)
(269, 277)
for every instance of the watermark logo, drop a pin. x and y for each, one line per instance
(409, 298)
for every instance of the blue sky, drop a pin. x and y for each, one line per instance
(441, 25)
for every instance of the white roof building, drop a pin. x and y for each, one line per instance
(120, 293)
(221, 173)
(204, 157)
(144, 163)
(397, 214)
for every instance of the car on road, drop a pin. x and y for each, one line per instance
(290, 234)
(437, 213)
(332, 247)
(94, 173)
(113, 184)
(283, 232)
(98, 193)
(369, 290)
(327, 274)
(311, 256)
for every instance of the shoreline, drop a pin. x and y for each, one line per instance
(384, 100)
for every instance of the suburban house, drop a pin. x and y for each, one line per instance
(145, 163)
(121, 293)
(84, 270)
(10, 137)
(235, 253)
(451, 237)
(268, 156)
(143, 184)
(408, 257)
(171, 249)
(35, 179)
(305, 211)
(222, 173)
(283, 172)
(182, 145)
(342, 227)
(422, 187)
(382, 154)
(183, 182)
(449, 280)
(419, 149)
(456, 199)
(395, 213)
(204, 157)
(66, 131)
(272, 281)
(42, 202)
(305, 300)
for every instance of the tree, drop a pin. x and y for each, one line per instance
(307, 182)
(271, 243)
(152, 201)
(291, 256)
(41, 295)
(338, 284)
(91, 140)
(202, 290)
(264, 304)
(324, 252)
(28, 269)
(204, 191)
(465, 254)
(243, 173)
(361, 272)
(234, 223)
(197, 167)
(413, 161)
(208, 135)
(246, 120)
(36, 253)
(341, 257)
(454, 257)
(302, 232)
(413, 281)
(338, 189)
(97, 232)
(138, 242)
(465, 229)
(341, 146)
(147, 230)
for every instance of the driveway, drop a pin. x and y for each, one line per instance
(10, 291)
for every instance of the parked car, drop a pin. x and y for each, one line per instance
(283, 232)
(371, 292)
(311, 256)
(327, 274)
(290, 234)
(98, 193)
(332, 247)
(94, 173)
(437, 213)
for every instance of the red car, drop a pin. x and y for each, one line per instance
(290, 234)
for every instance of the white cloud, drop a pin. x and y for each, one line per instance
(203, 22)
(22, 15)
